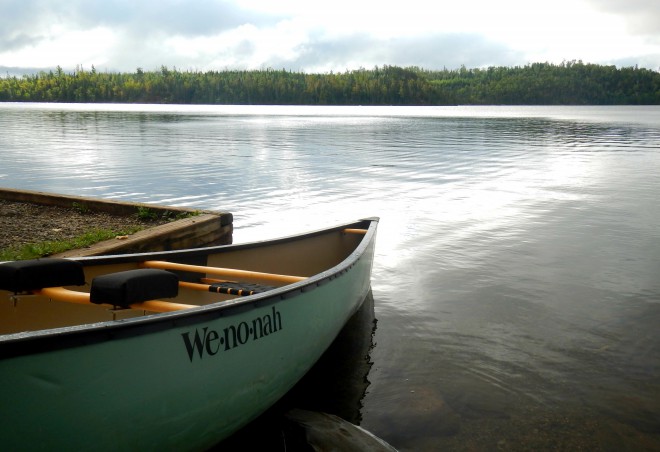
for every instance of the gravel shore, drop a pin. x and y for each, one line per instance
(23, 223)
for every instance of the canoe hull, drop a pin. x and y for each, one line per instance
(185, 383)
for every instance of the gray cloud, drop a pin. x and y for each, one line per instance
(22, 22)
(429, 52)
(645, 61)
(18, 24)
(642, 16)
(18, 41)
(189, 18)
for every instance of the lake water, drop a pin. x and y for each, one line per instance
(517, 278)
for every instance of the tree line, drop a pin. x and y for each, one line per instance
(568, 83)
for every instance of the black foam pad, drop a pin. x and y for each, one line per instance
(134, 286)
(21, 276)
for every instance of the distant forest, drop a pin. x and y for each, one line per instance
(569, 83)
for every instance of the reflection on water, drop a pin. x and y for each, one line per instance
(516, 276)
(336, 384)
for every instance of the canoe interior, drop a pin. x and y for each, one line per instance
(305, 255)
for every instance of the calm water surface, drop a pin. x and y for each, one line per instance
(517, 279)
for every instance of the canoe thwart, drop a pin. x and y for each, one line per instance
(29, 275)
(354, 231)
(126, 288)
(62, 294)
(241, 289)
(72, 296)
(161, 306)
(227, 272)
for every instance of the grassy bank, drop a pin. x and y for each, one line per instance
(48, 248)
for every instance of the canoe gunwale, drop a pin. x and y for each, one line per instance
(25, 343)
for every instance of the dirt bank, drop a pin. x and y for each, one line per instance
(23, 223)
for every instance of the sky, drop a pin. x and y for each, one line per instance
(314, 36)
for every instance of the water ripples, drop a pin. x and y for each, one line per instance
(518, 252)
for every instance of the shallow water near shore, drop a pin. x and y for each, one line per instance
(517, 278)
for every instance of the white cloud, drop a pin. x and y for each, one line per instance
(60, 46)
(313, 36)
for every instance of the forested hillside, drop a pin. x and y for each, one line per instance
(547, 84)
(572, 83)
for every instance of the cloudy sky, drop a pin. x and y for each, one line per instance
(315, 36)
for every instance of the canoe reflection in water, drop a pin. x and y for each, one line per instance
(322, 411)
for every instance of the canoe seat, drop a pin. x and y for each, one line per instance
(133, 286)
(29, 275)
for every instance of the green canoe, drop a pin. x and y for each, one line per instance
(171, 350)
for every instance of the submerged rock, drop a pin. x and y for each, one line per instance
(311, 430)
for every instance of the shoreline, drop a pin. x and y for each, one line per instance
(31, 218)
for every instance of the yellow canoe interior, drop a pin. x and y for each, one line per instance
(274, 264)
